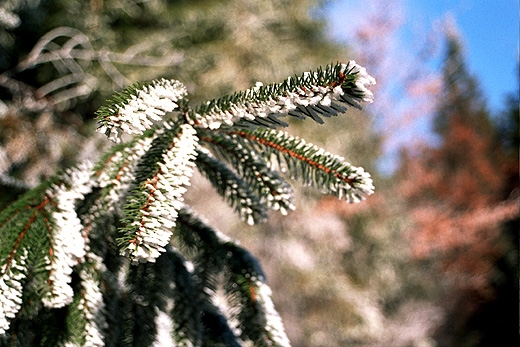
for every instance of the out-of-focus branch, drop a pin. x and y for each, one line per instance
(75, 81)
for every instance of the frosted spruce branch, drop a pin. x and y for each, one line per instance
(47, 219)
(66, 238)
(243, 281)
(235, 190)
(323, 93)
(309, 163)
(114, 241)
(14, 274)
(314, 95)
(135, 109)
(272, 191)
(153, 204)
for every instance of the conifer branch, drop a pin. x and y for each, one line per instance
(135, 109)
(200, 243)
(192, 284)
(247, 304)
(86, 319)
(184, 294)
(153, 204)
(13, 277)
(115, 171)
(271, 189)
(50, 237)
(66, 239)
(251, 298)
(232, 188)
(322, 93)
(311, 164)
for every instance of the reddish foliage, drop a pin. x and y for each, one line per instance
(460, 195)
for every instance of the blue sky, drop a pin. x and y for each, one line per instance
(490, 30)
(490, 33)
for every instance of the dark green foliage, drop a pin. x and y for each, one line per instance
(113, 256)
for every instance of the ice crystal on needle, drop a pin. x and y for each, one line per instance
(68, 243)
(164, 197)
(321, 95)
(142, 106)
(11, 285)
(92, 303)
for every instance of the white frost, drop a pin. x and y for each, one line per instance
(274, 324)
(165, 196)
(310, 95)
(11, 290)
(92, 304)
(67, 241)
(139, 113)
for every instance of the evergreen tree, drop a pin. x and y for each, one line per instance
(460, 196)
(109, 253)
(60, 59)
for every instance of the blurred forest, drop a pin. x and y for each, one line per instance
(431, 259)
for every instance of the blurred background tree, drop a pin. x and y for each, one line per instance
(463, 197)
(369, 275)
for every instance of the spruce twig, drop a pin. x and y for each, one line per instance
(101, 248)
